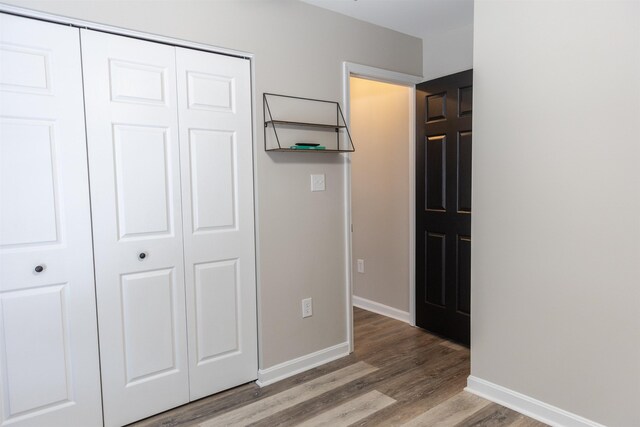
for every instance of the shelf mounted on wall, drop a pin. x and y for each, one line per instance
(296, 124)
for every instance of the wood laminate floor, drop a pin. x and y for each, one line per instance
(397, 376)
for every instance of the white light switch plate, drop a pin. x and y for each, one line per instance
(360, 266)
(317, 182)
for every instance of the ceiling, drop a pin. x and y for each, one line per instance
(418, 18)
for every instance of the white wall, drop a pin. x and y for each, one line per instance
(449, 52)
(556, 202)
(298, 50)
(380, 117)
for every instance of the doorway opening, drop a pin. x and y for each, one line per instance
(380, 107)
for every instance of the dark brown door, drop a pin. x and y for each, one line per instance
(443, 205)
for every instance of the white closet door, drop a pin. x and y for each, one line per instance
(134, 166)
(217, 190)
(49, 371)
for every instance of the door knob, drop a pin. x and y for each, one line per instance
(142, 255)
(39, 269)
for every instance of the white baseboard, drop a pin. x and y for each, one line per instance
(526, 405)
(385, 310)
(301, 364)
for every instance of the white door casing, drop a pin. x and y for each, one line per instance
(49, 366)
(217, 197)
(134, 164)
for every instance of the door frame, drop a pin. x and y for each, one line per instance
(350, 69)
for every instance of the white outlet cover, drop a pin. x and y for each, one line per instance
(317, 182)
(307, 307)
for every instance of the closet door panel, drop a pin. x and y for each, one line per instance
(217, 196)
(49, 370)
(134, 165)
(216, 308)
(143, 198)
(213, 182)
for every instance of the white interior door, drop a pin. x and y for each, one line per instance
(217, 190)
(49, 367)
(132, 130)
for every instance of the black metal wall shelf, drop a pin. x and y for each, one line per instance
(308, 121)
(318, 125)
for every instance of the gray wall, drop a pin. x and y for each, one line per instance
(447, 52)
(298, 50)
(556, 199)
(380, 117)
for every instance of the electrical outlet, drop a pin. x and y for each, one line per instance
(307, 307)
(317, 182)
(360, 266)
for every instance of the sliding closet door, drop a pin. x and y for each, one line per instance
(49, 372)
(134, 166)
(217, 189)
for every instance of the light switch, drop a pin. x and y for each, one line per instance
(317, 182)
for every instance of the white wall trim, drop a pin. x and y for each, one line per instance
(256, 192)
(348, 227)
(346, 103)
(295, 366)
(412, 207)
(385, 310)
(358, 70)
(380, 74)
(526, 405)
(59, 19)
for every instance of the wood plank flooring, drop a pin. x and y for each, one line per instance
(397, 376)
